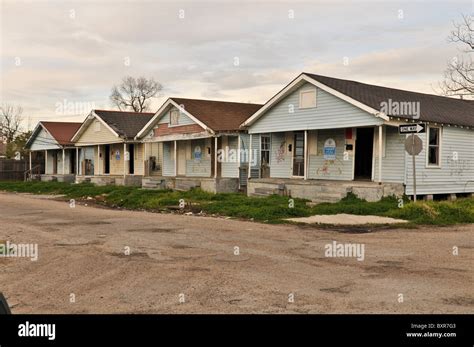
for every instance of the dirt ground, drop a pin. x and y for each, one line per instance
(176, 257)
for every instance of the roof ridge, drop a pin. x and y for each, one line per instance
(389, 88)
(117, 111)
(219, 101)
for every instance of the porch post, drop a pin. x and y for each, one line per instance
(250, 155)
(77, 161)
(380, 153)
(215, 157)
(98, 160)
(238, 151)
(64, 159)
(45, 162)
(124, 161)
(305, 154)
(144, 160)
(30, 162)
(175, 158)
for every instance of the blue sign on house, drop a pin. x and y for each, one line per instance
(117, 155)
(329, 150)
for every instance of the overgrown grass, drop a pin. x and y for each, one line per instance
(272, 209)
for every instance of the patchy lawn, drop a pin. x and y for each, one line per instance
(272, 209)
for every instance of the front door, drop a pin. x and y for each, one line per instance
(131, 157)
(298, 154)
(181, 158)
(72, 161)
(107, 159)
(55, 163)
(363, 153)
(265, 156)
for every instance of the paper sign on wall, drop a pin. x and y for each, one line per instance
(117, 155)
(329, 150)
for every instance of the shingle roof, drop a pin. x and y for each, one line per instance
(219, 115)
(125, 124)
(62, 131)
(433, 108)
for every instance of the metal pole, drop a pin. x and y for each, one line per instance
(250, 155)
(380, 153)
(414, 166)
(215, 157)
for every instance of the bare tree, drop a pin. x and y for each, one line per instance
(10, 121)
(134, 93)
(459, 75)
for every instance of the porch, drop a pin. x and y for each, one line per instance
(322, 190)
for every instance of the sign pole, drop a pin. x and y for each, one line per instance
(414, 167)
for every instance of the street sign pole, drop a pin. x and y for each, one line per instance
(414, 167)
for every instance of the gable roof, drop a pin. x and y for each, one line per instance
(219, 115)
(61, 132)
(433, 108)
(212, 115)
(125, 124)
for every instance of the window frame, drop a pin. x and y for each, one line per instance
(428, 165)
(307, 91)
(269, 150)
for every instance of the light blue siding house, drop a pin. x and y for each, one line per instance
(321, 137)
(201, 142)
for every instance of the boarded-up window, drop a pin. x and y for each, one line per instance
(174, 117)
(308, 98)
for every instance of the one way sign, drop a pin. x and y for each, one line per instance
(411, 128)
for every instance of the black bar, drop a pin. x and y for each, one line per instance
(324, 330)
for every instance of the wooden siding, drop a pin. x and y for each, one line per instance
(330, 113)
(164, 129)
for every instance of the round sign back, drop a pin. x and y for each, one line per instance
(413, 146)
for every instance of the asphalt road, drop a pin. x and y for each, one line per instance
(190, 264)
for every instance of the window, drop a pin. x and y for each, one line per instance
(434, 146)
(174, 117)
(308, 98)
(265, 149)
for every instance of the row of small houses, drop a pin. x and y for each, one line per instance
(318, 138)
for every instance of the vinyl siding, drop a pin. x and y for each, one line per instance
(453, 176)
(393, 160)
(230, 168)
(182, 120)
(138, 159)
(330, 112)
(255, 161)
(91, 136)
(280, 157)
(168, 158)
(43, 141)
(320, 168)
(196, 167)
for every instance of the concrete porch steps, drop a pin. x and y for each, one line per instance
(185, 185)
(152, 183)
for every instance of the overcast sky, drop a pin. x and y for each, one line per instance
(56, 53)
